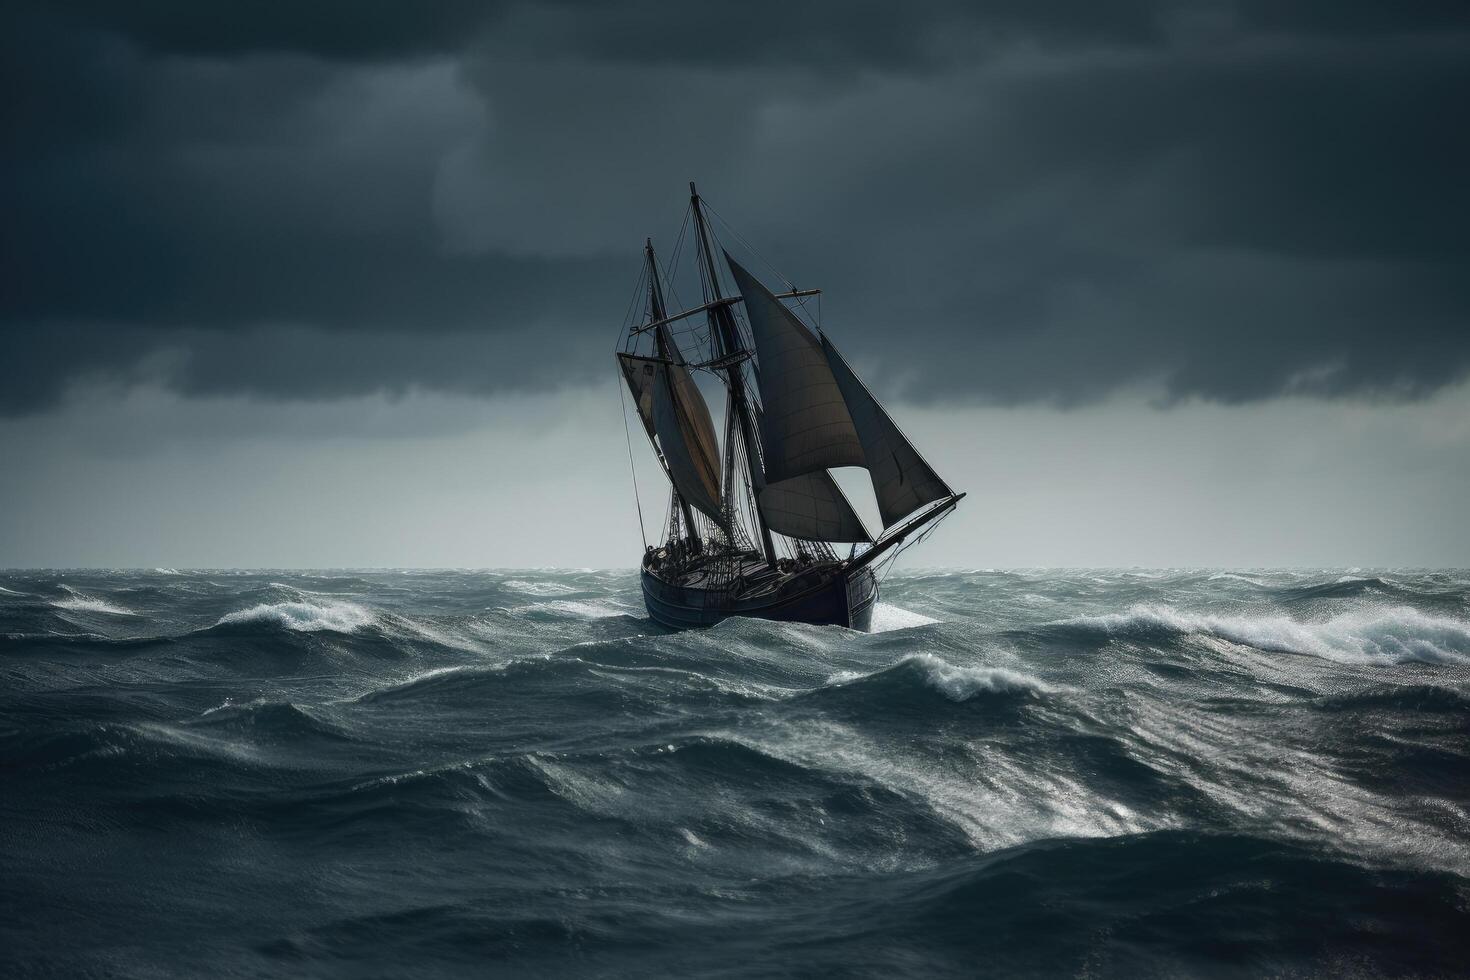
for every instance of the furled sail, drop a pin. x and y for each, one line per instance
(902, 481)
(673, 409)
(811, 507)
(806, 427)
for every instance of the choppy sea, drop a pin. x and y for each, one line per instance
(1091, 773)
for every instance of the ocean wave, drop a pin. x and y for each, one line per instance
(1366, 636)
(1237, 577)
(127, 748)
(273, 719)
(438, 680)
(572, 609)
(537, 588)
(916, 672)
(82, 602)
(1346, 587)
(304, 617)
(1412, 699)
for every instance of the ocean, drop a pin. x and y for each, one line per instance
(426, 773)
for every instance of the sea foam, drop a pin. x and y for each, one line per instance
(81, 602)
(304, 617)
(960, 683)
(889, 617)
(954, 681)
(1386, 635)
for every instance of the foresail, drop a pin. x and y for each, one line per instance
(902, 481)
(673, 409)
(805, 426)
(811, 507)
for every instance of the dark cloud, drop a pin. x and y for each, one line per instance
(346, 29)
(1039, 201)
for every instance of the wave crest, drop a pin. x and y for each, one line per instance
(956, 682)
(1368, 636)
(304, 617)
(82, 602)
(960, 683)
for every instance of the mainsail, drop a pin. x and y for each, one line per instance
(805, 425)
(818, 414)
(672, 408)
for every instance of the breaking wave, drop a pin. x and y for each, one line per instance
(81, 602)
(1383, 636)
(957, 683)
(304, 617)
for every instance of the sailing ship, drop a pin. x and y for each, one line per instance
(755, 521)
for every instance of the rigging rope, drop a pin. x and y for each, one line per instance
(628, 438)
(801, 301)
(887, 564)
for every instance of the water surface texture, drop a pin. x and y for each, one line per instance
(1095, 773)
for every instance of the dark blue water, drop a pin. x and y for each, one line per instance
(402, 773)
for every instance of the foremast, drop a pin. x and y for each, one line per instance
(730, 351)
(666, 349)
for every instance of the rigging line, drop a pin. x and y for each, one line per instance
(685, 328)
(923, 536)
(749, 247)
(673, 266)
(700, 338)
(628, 438)
(801, 301)
(632, 305)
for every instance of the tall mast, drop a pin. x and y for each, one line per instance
(666, 350)
(729, 341)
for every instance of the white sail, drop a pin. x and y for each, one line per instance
(805, 425)
(902, 481)
(811, 507)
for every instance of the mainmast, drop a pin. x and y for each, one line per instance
(667, 351)
(728, 339)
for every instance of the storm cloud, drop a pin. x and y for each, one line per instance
(1005, 202)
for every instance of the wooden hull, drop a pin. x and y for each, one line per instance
(824, 596)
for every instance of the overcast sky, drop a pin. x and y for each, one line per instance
(337, 283)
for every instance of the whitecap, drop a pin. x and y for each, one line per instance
(956, 682)
(579, 608)
(1233, 577)
(81, 602)
(959, 683)
(304, 617)
(537, 588)
(1381, 636)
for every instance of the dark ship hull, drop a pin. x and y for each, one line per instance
(822, 594)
